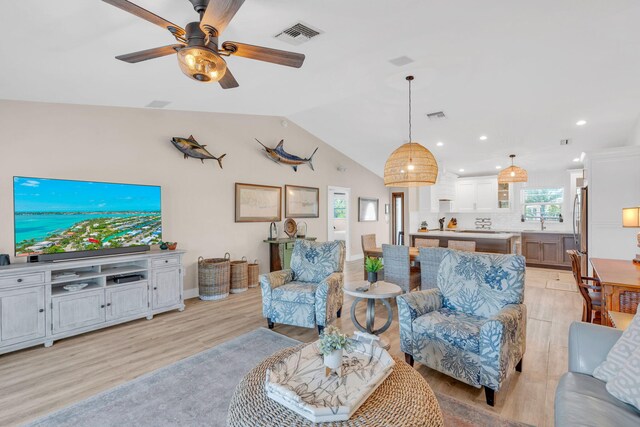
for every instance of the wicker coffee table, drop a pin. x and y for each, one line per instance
(403, 399)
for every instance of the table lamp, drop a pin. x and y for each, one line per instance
(631, 218)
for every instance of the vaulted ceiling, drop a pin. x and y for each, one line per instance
(521, 73)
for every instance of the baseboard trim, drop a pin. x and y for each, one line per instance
(191, 293)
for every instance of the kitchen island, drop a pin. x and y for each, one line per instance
(499, 243)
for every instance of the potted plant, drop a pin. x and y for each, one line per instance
(332, 345)
(373, 266)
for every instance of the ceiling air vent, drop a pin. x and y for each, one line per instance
(438, 115)
(401, 60)
(158, 104)
(298, 34)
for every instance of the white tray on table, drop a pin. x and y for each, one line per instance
(300, 384)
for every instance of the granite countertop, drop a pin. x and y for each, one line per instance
(469, 235)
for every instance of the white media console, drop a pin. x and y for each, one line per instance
(36, 309)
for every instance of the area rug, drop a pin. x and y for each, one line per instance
(196, 391)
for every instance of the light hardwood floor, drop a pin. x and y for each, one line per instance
(36, 381)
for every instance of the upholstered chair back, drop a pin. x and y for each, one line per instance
(368, 242)
(480, 284)
(396, 264)
(314, 261)
(430, 260)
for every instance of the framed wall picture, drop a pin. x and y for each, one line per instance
(301, 202)
(367, 209)
(258, 203)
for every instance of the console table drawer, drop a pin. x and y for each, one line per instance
(22, 279)
(165, 262)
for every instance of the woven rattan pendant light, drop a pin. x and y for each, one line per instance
(410, 165)
(512, 173)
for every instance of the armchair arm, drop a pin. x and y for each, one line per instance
(270, 281)
(411, 306)
(589, 345)
(502, 344)
(329, 298)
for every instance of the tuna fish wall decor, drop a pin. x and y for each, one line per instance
(278, 155)
(189, 147)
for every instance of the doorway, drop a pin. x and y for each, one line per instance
(397, 218)
(338, 216)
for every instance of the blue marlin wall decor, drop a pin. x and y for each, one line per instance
(189, 147)
(278, 155)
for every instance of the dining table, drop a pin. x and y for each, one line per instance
(620, 281)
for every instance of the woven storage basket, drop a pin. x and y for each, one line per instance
(214, 278)
(253, 272)
(239, 276)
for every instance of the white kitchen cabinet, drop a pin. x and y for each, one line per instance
(166, 288)
(78, 310)
(127, 300)
(477, 195)
(22, 315)
(486, 195)
(465, 196)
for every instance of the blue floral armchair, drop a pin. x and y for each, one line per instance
(310, 293)
(473, 325)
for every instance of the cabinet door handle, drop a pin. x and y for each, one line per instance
(155, 288)
(19, 280)
(108, 304)
(102, 306)
(41, 310)
(166, 261)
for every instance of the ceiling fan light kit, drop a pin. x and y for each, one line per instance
(199, 56)
(411, 164)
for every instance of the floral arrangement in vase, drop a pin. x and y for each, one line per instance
(332, 345)
(373, 266)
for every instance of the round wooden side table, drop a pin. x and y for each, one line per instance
(381, 291)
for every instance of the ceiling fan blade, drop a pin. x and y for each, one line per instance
(219, 13)
(228, 81)
(281, 57)
(143, 55)
(138, 11)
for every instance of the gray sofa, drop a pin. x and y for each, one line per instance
(582, 399)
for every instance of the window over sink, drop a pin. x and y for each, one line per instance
(542, 203)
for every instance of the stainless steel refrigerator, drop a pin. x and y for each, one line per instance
(580, 222)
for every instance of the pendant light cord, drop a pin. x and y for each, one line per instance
(410, 111)
(410, 79)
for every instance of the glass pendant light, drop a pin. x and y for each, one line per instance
(411, 164)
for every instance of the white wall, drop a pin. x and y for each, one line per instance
(133, 146)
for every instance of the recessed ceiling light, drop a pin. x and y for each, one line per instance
(581, 122)
(577, 159)
(483, 138)
(440, 143)
(460, 170)
(498, 167)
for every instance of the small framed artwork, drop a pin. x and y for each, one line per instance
(367, 209)
(301, 202)
(258, 203)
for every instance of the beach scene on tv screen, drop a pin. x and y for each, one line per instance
(54, 216)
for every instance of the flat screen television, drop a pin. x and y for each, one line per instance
(57, 219)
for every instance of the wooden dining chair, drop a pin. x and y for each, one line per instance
(462, 245)
(368, 243)
(591, 294)
(426, 243)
